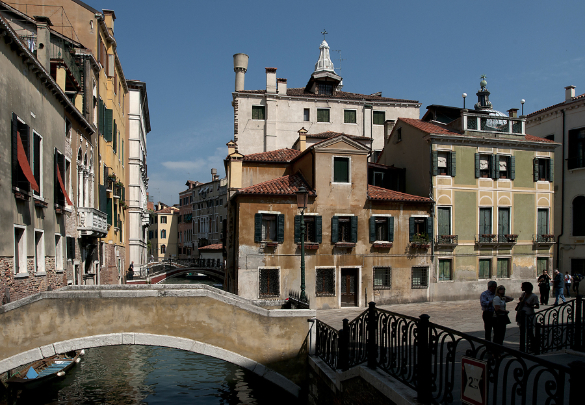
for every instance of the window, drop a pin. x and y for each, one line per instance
(61, 181)
(258, 112)
(313, 229)
(420, 277)
(381, 229)
(39, 252)
(483, 165)
(444, 219)
(20, 261)
(506, 167)
(268, 228)
(485, 221)
(382, 278)
(163, 234)
(323, 115)
(163, 219)
(399, 135)
(269, 283)
(306, 114)
(503, 222)
(37, 162)
(541, 265)
(341, 169)
(325, 282)
(349, 116)
(326, 89)
(576, 148)
(542, 222)
(70, 248)
(379, 117)
(420, 229)
(543, 169)
(445, 273)
(58, 253)
(503, 268)
(22, 175)
(163, 249)
(579, 216)
(485, 268)
(444, 163)
(344, 229)
(150, 234)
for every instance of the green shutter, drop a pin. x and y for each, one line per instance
(372, 229)
(318, 229)
(280, 228)
(535, 169)
(430, 228)
(109, 210)
(108, 122)
(493, 169)
(334, 229)
(124, 193)
(390, 229)
(257, 228)
(115, 137)
(477, 165)
(551, 171)
(410, 228)
(435, 163)
(512, 167)
(100, 118)
(297, 229)
(452, 163)
(115, 214)
(496, 166)
(354, 229)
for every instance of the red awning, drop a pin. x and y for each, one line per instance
(23, 162)
(63, 186)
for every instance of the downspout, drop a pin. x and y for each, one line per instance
(432, 212)
(562, 194)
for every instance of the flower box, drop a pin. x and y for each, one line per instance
(382, 245)
(309, 246)
(344, 245)
(271, 244)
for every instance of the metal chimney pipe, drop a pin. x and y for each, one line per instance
(240, 67)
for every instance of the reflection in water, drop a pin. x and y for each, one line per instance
(154, 375)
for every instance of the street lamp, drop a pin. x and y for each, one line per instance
(522, 102)
(464, 95)
(302, 200)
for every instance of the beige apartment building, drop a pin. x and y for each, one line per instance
(163, 233)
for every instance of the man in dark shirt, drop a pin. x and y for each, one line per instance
(544, 287)
(487, 306)
(558, 286)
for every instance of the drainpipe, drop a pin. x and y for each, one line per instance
(562, 195)
(432, 214)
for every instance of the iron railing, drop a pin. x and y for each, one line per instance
(447, 239)
(507, 238)
(428, 358)
(543, 238)
(553, 329)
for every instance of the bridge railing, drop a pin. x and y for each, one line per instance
(428, 358)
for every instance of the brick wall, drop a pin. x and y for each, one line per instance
(23, 287)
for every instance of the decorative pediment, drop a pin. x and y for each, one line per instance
(341, 142)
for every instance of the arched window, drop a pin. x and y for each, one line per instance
(163, 249)
(163, 234)
(79, 156)
(579, 216)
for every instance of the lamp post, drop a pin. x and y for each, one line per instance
(302, 199)
(522, 102)
(464, 95)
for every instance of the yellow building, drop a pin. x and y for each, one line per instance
(163, 232)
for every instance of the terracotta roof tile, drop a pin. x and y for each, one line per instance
(215, 246)
(331, 134)
(279, 155)
(286, 186)
(383, 194)
(579, 97)
(300, 92)
(533, 138)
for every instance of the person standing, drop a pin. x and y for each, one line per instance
(528, 303)
(544, 287)
(568, 279)
(558, 287)
(130, 275)
(576, 280)
(487, 307)
(501, 318)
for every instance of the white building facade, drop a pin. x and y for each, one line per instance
(270, 119)
(565, 123)
(139, 127)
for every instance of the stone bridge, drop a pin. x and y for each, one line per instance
(197, 318)
(162, 275)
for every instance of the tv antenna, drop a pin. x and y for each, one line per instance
(340, 58)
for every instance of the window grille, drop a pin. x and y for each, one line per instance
(269, 283)
(382, 278)
(420, 277)
(325, 286)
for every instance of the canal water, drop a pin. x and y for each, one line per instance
(153, 375)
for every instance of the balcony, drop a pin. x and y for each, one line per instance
(91, 222)
(507, 239)
(420, 241)
(491, 123)
(486, 239)
(544, 240)
(447, 240)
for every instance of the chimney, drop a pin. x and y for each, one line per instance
(213, 174)
(569, 93)
(235, 172)
(302, 139)
(240, 67)
(270, 80)
(231, 147)
(281, 83)
(388, 127)
(513, 113)
(43, 44)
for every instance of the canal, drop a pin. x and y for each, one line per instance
(153, 375)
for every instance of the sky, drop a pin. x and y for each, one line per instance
(430, 51)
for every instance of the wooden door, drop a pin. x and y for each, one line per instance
(485, 221)
(349, 283)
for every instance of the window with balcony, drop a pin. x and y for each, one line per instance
(444, 163)
(381, 229)
(349, 116)
(504, 233)
(445, 269)
(323, 115)
(576, 148)
(325, 282)
(258, 112)
(341, 169)
(382, 278)
(269, 282)
(344, 229)
(542, 224)
(485, 224)
(268, 228)
(579, 216)
(378, 117)
(543, 169)
(420, 277)
(444, 233)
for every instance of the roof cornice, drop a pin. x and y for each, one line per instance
(482, 141)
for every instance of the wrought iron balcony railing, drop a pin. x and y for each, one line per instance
(486, 239)
(448, 240)
(92, 222)
(507, 238)
(543, 239)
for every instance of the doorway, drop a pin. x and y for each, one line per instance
(349, 287)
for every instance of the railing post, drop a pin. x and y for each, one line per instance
(578, 343)
(577, 375)
(423, 384)
(371, 341)
(522, 331)
(343, 363)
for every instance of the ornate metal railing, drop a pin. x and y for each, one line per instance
(486, 238)
(507, 238)
(429, 358)
(553, 329)
(447, 239)
(543, 238)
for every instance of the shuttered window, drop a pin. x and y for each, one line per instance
(503, 268)
(349, 116)
(323, 115)
(258, 112)
(485, 221)
(444, 163)
(485, 268)
(108, 124)
(268, 228)
(381, 229)
(344, 229)
(543, 169)
(313, 229)
(379, 117)
(445, 270)
(269, 283)
(341, 169)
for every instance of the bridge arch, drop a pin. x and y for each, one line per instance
(195, 317)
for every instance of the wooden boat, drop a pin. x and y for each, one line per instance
(45, 370)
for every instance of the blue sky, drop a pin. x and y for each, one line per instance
(431, 51)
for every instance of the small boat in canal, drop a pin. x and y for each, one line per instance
(45, 370)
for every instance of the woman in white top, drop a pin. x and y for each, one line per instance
(501, 315)
(528, 303)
